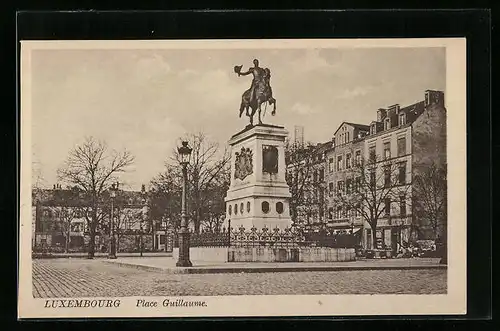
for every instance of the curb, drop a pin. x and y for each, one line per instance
(40, 257)
(226, 270)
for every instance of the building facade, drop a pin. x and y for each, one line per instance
(306, 177)
(342, 157)
(60, 221)
(399, 144)
(389, 144)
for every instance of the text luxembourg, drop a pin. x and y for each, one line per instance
(82, 303)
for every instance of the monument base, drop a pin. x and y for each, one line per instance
(258, 195)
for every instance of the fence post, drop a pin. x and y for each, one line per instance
(229, 232)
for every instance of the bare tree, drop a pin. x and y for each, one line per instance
(92, 167)
(370, 190)
(166, 190)
(208, 164)
(307, 192)
(66, 216)
(430, 199)
(126, 219)
(215, 209)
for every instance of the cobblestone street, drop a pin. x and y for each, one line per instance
(91, 278)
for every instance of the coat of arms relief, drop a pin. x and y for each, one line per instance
(243, 165)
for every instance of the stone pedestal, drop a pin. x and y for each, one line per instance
(258, 195)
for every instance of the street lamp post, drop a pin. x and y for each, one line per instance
(140, 242)
(112, 245)
(166, 222)
(184, 153)
(144, 215)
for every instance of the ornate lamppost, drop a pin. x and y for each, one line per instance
(184, 153)
(112, 245)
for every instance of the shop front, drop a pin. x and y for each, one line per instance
(387, 238)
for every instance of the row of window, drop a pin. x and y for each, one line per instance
(348, 164)
(265, 208)
(387, 149)
(57, 213)
(58, 227)
(351, 185)
(402, 205)
(47, 226)
(350, 161)
(339, 212)
(343, 138)
(318, 175)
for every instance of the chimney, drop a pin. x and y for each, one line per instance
(381, 113)
(434, 97)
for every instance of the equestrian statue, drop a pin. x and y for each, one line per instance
(259, 92)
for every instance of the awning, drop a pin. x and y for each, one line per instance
(348, 230)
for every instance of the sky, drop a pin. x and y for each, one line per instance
(145, 100)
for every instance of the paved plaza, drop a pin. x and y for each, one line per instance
(212, 267)
(92, 278)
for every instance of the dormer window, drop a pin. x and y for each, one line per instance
(373, 129)
(387, 124)
(402, 119)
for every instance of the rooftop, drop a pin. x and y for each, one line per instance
(74, 197)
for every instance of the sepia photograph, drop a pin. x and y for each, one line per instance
(165, 176)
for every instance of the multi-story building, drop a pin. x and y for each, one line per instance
(60, 220)
(400, 143)
(305, 174)
(403, 141)
(389, 147)
(342, 157)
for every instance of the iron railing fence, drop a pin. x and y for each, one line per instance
(276, 238)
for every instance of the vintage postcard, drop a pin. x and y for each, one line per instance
(242, 178)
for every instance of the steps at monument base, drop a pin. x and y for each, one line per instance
(307, 254)
(268, 254)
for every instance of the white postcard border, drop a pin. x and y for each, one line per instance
(454, 302)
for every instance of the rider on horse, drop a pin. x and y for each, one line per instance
(258, 76)
(260, 90)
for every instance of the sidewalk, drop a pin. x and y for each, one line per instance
(167, 265)
(102, 255)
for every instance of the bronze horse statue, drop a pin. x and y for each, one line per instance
(259, 93)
